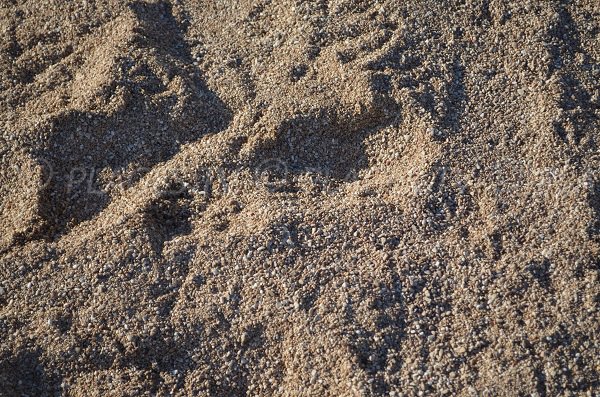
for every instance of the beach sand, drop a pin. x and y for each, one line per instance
(299, 198)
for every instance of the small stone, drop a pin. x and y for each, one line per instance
(313, 375)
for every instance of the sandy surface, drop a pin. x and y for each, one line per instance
(299, 198)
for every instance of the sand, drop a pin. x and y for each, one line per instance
(299, 198)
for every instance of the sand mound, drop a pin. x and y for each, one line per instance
(299, 198)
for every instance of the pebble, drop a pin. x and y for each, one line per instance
(244, 339)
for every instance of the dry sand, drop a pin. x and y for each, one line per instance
(299, 198)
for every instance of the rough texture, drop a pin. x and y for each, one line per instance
(299, 198)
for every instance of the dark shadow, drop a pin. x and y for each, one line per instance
(455, 99)
(168, 217)
(148, 127)
(484, 17)
(540, 271)
(24, 374)
(322, 144)
(319, 143)
(566, 41)
(397, 58)
(575, 99)
(496, 244)
(381, 84)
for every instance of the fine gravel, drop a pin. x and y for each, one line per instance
(299, 198)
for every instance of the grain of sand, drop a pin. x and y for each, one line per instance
(299, 198)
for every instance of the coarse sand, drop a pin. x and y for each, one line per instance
(299, 198)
